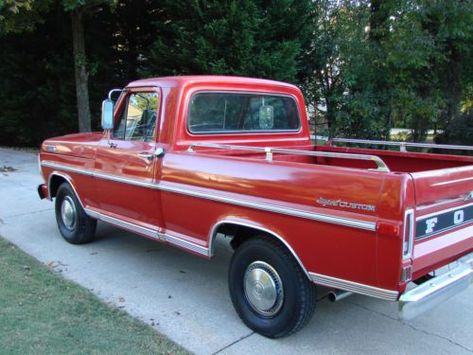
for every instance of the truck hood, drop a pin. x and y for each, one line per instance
(78, 144)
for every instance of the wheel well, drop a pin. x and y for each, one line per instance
(54, 182)
(242, 232)
(239, 233)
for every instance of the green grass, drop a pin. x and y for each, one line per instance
(42, 313)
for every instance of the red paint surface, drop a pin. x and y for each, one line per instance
(372, 258)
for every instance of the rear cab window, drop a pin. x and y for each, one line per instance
(228, 112)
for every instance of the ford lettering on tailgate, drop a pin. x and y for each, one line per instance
(433, 224)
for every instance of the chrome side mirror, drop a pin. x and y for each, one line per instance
(107, 114)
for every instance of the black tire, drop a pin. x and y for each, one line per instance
(81, 228)
(295, 303)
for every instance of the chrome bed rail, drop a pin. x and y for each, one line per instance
(380, 164)
(402, 145)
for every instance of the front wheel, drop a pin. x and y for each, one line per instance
(269, 290)
(73, 223)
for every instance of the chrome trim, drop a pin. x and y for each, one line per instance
(50, 148)
(105, 176)
(443, 211)
(68, 180)
(149, 232)
(401, 145)
(213, 235)
(263, 288)
(186, 244)
(408, 216)
(68, 213)
(123, 224)
(157, 153)
(354, 287)
(53, 165)
(469, 196)
(347, 222)
(191, 191)
(437, 289)
(245, 132)
(112, 91)
(136, 182)
(381, 165)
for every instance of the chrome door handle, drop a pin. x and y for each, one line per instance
(149, 156)
(159, 152)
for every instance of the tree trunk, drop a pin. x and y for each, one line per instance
(80, 69)
(453, 89)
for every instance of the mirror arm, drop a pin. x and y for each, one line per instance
(112, 91)
(108, 134)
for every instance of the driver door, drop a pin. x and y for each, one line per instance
(127, 163)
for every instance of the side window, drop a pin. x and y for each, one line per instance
(137, 121)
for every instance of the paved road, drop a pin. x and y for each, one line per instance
(186, 297)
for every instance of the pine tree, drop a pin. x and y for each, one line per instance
(247, 37)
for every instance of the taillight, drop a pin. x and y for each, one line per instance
(408, 235)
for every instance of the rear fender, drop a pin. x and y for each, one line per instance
(238, 223)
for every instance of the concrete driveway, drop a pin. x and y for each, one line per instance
(186, 298)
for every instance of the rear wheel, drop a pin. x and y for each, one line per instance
(268, 288)
(73, 223)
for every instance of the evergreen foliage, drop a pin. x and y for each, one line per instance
(365, 65)
(246, 37)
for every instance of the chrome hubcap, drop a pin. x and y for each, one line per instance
(68, 212)
(263, 288)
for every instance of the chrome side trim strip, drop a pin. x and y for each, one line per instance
(355, 287)
(122, 224)
(152, 233)
(124, 180)
(218, 197)
(213, 234)
(68, 179)
(66, 167)
(347, 222)
(186, 244)
(104, 176)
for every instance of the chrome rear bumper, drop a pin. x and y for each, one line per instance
(438, 289)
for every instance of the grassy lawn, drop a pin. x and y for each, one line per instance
(42, 313)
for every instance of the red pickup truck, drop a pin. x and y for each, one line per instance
(182, 160)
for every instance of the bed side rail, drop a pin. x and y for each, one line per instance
(380, 164)
(402, 145)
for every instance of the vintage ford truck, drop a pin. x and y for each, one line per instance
(184, 159)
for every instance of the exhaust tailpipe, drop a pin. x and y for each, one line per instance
(337, 295)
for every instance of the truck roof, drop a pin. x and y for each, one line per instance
(179, 81)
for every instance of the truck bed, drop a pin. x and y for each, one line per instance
(442, 185)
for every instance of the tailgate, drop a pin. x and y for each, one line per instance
(444, 217)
